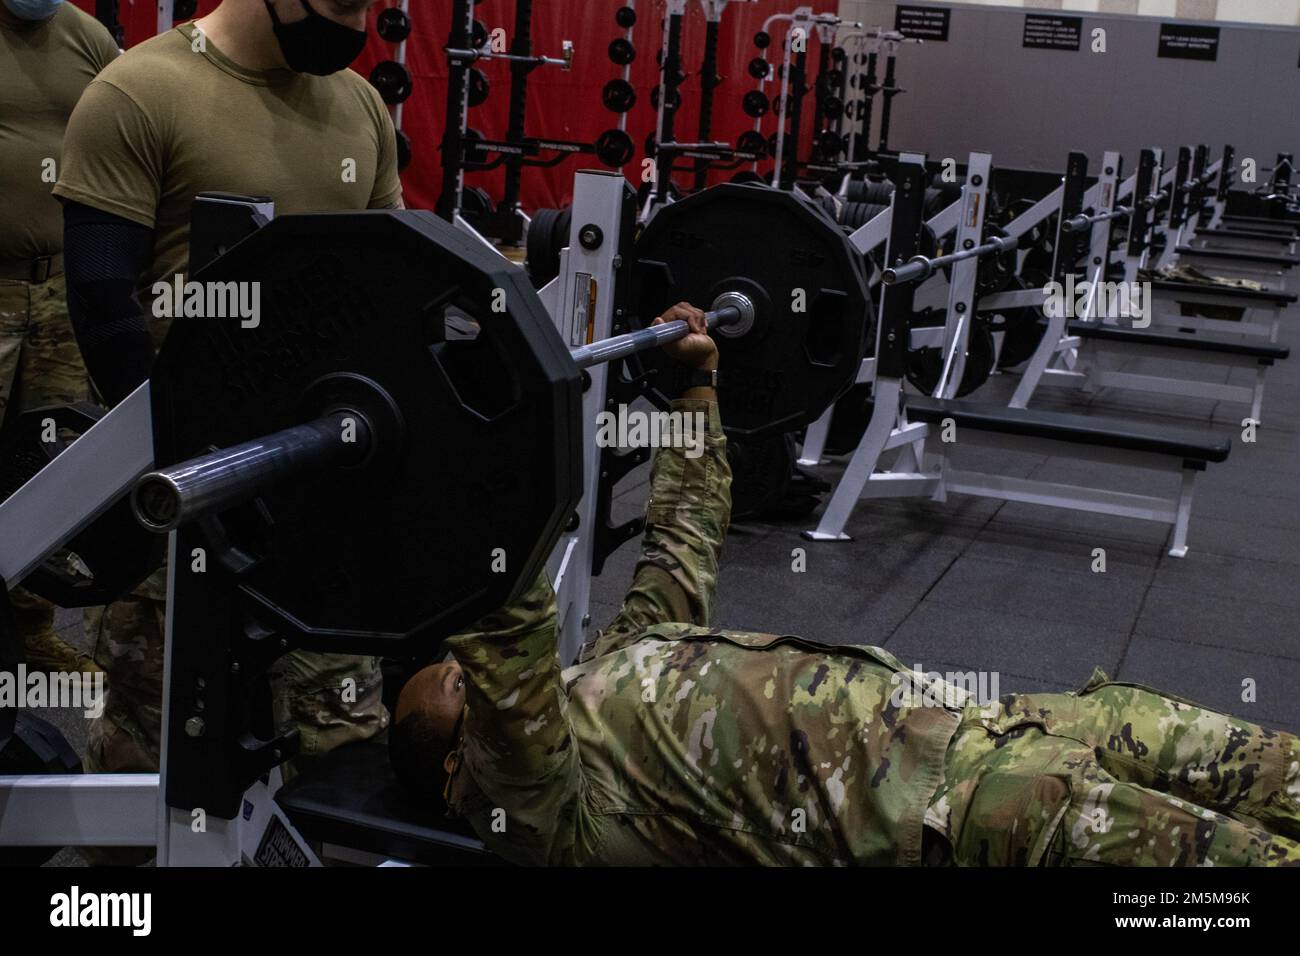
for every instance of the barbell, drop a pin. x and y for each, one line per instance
(395, 448)
(1084, 221)
(919, 268)
(345, 437)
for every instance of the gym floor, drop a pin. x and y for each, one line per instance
(978, 585)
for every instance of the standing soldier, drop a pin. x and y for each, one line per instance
(49, 52)
(254, 99)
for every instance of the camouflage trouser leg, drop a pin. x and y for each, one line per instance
(331, 699)
(40, 364)
(128, 638)
(1118, 775)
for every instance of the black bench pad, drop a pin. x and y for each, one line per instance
(1259, 295)
(351, 797)
(1178, 340)
(1279, 238)
(1076, 429)
(1238, 256)
(1277, 224)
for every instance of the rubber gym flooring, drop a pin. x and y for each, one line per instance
(980, 585)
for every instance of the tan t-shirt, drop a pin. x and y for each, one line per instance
(166, 122)
(44, 67)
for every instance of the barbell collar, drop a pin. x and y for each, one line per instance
(731, 310)
(164, 499)
(1153, 199)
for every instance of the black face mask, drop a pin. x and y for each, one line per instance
(316, 44)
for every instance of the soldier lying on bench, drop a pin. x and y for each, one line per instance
(672, 742)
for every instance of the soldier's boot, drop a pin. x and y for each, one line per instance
(48, 652)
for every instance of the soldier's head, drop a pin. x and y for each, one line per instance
(425, 726)
(319, 36)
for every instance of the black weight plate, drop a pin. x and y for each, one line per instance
(830, 143)
(747, 177)
(406, 300)
(759, 68)
(1022, 328)
(621, 51)
(924, 366)
(614, 148)
(393, 25)
(762, 39)
(789, 103)
(625, 17)
(543, 255)
(478, 35)
(771, 145)
(392, 80)
(475, 202)
(937, 200)
(674, 101)
(833, 107)
(828, 83)
(618, 95)
(479, 87)
(755, 104)
(777, 249)
(752, 141)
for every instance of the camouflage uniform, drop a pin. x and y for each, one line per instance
(40, 364)
(330, 698)
(670, 742)
(1193, 276)
(1120, 775)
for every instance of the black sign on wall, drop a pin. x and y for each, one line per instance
(1182, 41)
(1043, 32)
(923, 23)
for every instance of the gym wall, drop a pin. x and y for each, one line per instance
(560, 105)
(1280, 12)
(982, 90)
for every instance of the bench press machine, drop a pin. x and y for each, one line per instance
(908, 428)
(1088, 350)
(1271, 266)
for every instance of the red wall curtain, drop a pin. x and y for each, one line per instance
(560, 105)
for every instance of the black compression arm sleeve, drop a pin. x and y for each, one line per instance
(103, 258)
